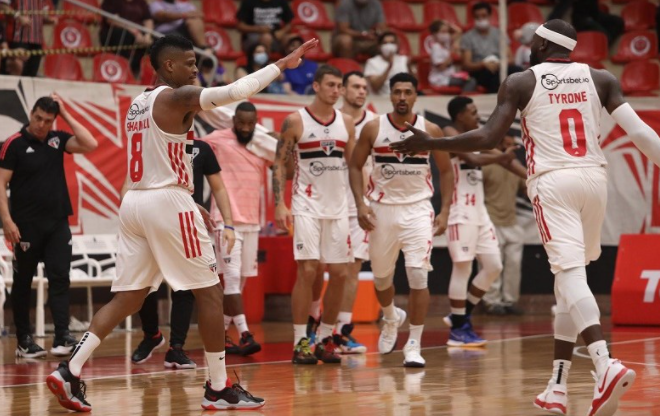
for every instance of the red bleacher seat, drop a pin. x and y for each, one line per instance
(399, 15)
(635, 46)
(521, 13)
(469, 21)
(640, 78)
(639, 15)
(423, 70)
(113, 69)
(345, 65)
(316, 54)
(591, 47)
(82, 14)
(147, 74)
(222, 12)
(219, 40)
(311, 13)
(439, 10)
(63, 66)
(71, 34)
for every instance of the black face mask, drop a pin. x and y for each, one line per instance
(243, 139)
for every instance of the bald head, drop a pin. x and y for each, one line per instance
(543, 49)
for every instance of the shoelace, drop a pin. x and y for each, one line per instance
(82, 391)
(239, 389)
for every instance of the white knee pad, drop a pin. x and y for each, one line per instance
(383, 283)
(458, 282)
(418, 278)
(491, 267)
(565, 329)
(573, 288)
(232, 284)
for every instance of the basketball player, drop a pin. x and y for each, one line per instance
(320, 137)
(470, 232)
(161, 231)
(561, 103)
(400, 216)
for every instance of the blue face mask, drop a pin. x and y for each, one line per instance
(260, 58)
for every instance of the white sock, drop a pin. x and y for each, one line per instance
(299, 332)
(389, 312)
(560, 370)
(457, 311)
(241, 323)
(315, 309)
(217, 369)
(599, 355)
(344, 318)
(325, 331)
(228, 320)
(82, 352)
(416, 333)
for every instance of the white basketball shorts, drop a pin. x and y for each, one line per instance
(241, 262)
(359, 240)
(465, 241)
(321, 239)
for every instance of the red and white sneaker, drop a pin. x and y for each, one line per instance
(609, 388)
(554, 399)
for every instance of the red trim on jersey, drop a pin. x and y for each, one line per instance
(529, 147)
(559, 60)
(334, 117)
(182, 149)
(183, 235)
(3, 152)
(401, 129)
(454, 197)
(317, 145)
(364, 115)
(170, 153)
(428, 181)
(371, 187)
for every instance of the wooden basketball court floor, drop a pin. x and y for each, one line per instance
(499, 380)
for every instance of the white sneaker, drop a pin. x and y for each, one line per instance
(554, 399)
(390, 331)
(412, 356)
(609, 388)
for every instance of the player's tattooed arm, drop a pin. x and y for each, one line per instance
(288, 138)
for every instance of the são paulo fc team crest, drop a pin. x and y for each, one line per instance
(328, 146)
(214, 268)
(400, 156)
(25, 246)
(299, 246)
(54, 142)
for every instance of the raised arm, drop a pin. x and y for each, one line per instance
(355, 176)
(291, 130)
(443, 163)
(82, 141)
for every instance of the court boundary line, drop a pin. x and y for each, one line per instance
(578, 353)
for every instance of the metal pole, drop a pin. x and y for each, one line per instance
(504, 45)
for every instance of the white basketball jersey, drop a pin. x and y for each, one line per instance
(156, 159)
(319, 184)
(468, 202)
(561, 122)
(359, 125)
(397, 178)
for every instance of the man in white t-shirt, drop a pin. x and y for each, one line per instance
(386, 64)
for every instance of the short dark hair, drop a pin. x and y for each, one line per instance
(403, 77)
(324, 70)
(457, 105)
(47, 105)
(482, 5)
(383, 35)
(247, 107)
(166, 42)
(350, 74)
(435, 26)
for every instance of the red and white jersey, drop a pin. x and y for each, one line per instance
(468, 205)
(359, 125)
(156, 159)
(319, 183)
(561, 122)
(397, 178)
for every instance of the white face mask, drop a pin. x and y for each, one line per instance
(389, 49)
(443, 37)
(260, 58)
(482, 24)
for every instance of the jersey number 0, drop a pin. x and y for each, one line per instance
(575, 142)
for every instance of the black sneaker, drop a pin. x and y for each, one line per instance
(230, 347)
(326, 351)
(69, 389)
(63, 345)
(302, 354)
(514, 309)
(176, 358)
(143, 352)
(248, 345)
(234, 397)
(312, 326)
(27, 348)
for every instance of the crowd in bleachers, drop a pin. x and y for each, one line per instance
(372, 35)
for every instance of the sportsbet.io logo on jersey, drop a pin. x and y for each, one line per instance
(550, 81)
(388, 171)
(318, 168)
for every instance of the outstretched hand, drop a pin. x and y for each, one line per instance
(292, 60)
(420, 141)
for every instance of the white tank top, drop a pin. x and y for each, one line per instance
(319, 183)
(467, 202)
(156, 159)
(367, 168)
(397, 178)
(561, 122)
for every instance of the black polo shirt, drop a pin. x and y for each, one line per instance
(204, 163)
(38, 184)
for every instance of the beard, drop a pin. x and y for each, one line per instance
(534, 59)
(244, 139)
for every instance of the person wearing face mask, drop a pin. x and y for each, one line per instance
(379, 69)
(257, 58)
(524, 50)
(444, 39)
(480, 50)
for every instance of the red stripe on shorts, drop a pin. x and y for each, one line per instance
(190, 236)
(183, 234)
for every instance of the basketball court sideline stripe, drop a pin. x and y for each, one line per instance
(578, 353)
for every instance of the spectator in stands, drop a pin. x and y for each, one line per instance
(11, 64)
(379, 69)
(115, 33)
(588, 16)
(264, 21)
(359, 23)
(25, 31)
(299, 81)
(180, 18)
(444, 38)
(480, 48)
(257, 58)
(524, 50)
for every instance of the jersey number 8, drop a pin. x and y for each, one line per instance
(135, 165)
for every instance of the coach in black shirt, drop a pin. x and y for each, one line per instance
(32, 164)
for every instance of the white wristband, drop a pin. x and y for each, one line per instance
(238, 90)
